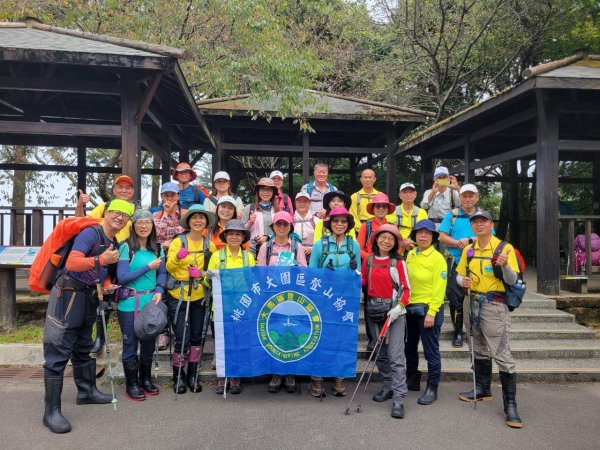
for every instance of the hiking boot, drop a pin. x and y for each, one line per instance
(220, 388)
(483, 382)
(429, 396)
(179, 380)
(53, 418)
(290, 383)
(383, 395)
(509, 393)
(146, 377)
(413, 381)
(132, 389)
(339, 388)
(235, 386)
(163, 341)
(193, 381)
(315, 387)
(85, 380)
(397, 410)
(275, 384)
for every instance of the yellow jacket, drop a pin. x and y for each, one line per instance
(427, 275)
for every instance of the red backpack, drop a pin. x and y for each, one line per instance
(54, 252)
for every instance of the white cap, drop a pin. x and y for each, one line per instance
(221, 176)
(226, 199)
(276, 173)
(468, 188)
(302, 194)
(407, 185)
(441, 171)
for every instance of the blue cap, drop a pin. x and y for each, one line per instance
(169, 187)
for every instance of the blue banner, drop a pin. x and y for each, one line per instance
(286, 320)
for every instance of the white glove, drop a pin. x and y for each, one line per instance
(396, 312)
(210, 273)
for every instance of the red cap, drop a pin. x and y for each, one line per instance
(123, 179)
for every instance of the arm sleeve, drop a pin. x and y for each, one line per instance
(315, 255)
(161, 277)
(403, 274)
(123, 271)
(438, 286)
(364, 272)
(83, 245)
(173, 262)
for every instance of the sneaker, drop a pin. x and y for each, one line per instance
(290, 383)
(315, 387)
(235, 386)
(163, 341)
(275, 384)
(339, 388)
(220, 389)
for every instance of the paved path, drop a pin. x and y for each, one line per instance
(556, 416)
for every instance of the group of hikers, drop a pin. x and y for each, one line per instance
(411, 259)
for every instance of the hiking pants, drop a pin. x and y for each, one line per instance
(130, 340)
(454, 293)
(193, 333)
(391, 361)
(430, 337)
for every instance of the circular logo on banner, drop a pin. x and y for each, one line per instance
(289, 326)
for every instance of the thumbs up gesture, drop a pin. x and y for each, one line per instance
(111, 255)
(502, 259)
(83, 198)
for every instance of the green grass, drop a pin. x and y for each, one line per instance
(31, 331)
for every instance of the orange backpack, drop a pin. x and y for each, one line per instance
(54, 252)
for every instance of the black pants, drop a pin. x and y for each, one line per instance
(455, 293)
(193, 333)
(70, 317)
(130, 340)
(430, 337)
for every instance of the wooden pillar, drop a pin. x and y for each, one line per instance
(305, 157)
(130, 132)
(165, 164)
(8, 299)
(290, 172)
(513, 203)
(81, 169)
(469, 175)
(426, 167)
(217, 157)
(391, 184)
(548, 257)
(596, 186)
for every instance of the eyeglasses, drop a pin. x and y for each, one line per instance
(143, 223)
(117, 214)
(339, 221)
(386, 237)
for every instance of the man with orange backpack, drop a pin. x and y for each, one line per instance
(72, 308)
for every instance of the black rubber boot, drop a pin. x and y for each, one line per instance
(85, 380)
(193, 382)
(483, 382)
(99, 342)
(179, 388)
(131, 381)
(146, 377)
(429, 396)
(383, 395)
(53, 418)
(457, 321)
(413, 381)
(397, 410)
(509, 393)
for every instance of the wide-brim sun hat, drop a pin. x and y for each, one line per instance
(386, 228)
(337, 212)
(182, 167)
(425, 224)
(330, 195)
(266, 182)
(151, 321)
(379, 199)
(235, 225)
(195, 209)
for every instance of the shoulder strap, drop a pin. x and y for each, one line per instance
(213, 199)
(324, 250)
(269, 251)
(454, 215)
(452, 204)
(415, 213)
(309, 187)
(222, 258)
(369, 223)
(244, 257)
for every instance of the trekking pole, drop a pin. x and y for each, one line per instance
(111, 376)
(377, 348)
(471, 316)
(185, 326)
(155, 356)
(205, 325)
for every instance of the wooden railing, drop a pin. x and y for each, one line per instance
(571, 221)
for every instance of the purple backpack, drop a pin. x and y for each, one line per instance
(580, 242)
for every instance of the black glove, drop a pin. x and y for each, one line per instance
(104, 306)
(353, 264)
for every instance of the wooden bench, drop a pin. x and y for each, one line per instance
(574, 283)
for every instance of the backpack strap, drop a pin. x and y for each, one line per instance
(213, 199)
(222, 258)
(454, 216)
(309, 187)
(324, 250)
(369, 224)
(452, 203)
(415, 213)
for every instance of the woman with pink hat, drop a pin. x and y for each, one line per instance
(388, 293)
(282, 250)
(379, 207)
(258, 216)
(336, 251)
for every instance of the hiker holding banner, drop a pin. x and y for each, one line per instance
(336, 251)
(388, 292)
(72, 308)
(232, 256)
(142, 275)
(186, 263)
(282, 250)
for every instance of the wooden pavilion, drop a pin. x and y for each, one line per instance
(73, 89)
(552, 116)
(344, 127)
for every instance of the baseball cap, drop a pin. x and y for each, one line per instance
(303, 195)
(276, 173)
(407, 185)
(221, 176)
(169, 187)
(121, 206)
(468, 188)
(123, 179)
(440, 171)
(480, 213)
(226, 199)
